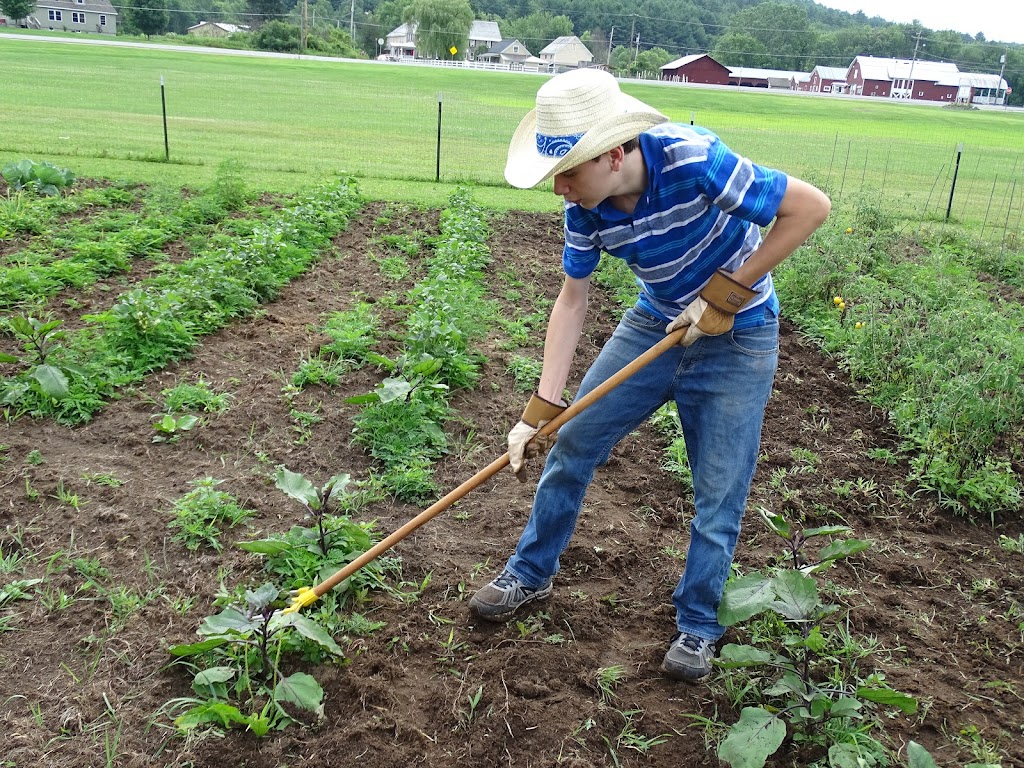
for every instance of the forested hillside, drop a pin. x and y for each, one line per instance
(630, 35)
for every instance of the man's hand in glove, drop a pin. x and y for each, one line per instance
(712, 312)
(521, 440)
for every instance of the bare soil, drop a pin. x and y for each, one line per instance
(937, 593)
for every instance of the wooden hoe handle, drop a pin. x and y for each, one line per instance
(306, 596)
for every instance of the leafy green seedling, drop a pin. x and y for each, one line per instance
(169, 427)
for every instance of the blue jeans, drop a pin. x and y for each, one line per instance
(721, 386)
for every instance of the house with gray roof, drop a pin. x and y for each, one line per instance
(482, 35)
(510, 53)
(567, 52)
(75, 16)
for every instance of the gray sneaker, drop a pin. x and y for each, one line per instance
(688, 658)
(504, 596)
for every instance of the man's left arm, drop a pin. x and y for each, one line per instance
(802, 210)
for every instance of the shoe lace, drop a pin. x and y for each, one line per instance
(505, 580)
(692, 642)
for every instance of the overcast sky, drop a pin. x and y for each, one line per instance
(1001, 20)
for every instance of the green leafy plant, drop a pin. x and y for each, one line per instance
(169, 427)
(199, 514)
(815, 687)
(525, 372)
(304, 556)
(39, 340)
(194, 397)
(42, 178)
(239, 680)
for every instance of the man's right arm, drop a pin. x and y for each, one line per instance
(564, 328)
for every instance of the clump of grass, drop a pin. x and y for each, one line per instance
(200, 513)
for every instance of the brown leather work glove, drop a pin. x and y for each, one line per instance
(521, 442)
(713, 311)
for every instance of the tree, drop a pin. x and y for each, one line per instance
(263, 11)
(440, 26)
(277, 36)
(739, 49)
(150, 17)
(537, 30)
(17, 9)
(651, 61)
(782, 29)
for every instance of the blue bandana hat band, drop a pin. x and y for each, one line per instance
(556, 146)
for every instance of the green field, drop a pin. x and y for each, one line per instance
(291, 121)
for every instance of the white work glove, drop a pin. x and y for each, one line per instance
(521, 440)
(713, 311)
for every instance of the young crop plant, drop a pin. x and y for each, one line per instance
(170, 427)
(239, 680)
(200, 513)
(40, 178)
(47, 371)
(804, 679)
(304, 556)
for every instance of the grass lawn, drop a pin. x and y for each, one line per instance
(289, 121)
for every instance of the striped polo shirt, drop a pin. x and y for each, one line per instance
(700, 212)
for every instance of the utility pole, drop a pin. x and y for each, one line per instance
(305, 26)
(910, 78)
(352, 21)
(1002, 68)
(611, 37)
(632, 30)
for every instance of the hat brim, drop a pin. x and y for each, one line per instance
(526, 167)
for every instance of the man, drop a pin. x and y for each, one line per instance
(684, 212)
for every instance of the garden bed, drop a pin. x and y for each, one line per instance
(87, 679)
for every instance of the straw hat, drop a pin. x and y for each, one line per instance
(579, 115)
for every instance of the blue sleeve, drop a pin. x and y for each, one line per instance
(740, 188)
(582, 251)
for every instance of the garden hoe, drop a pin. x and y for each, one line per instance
(309, 595)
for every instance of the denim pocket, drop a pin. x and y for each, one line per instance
(642, 320)
(759, 341)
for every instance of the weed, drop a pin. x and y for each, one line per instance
(608, 678)
(195, 397)
(34, 458)
(67, 497)
(103, 478)
(1012, 545)
(525, 372)
(199, 514)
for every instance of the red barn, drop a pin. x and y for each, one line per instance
(902, 78)
(697, 68)
(825, 80)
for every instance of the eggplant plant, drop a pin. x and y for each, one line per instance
(803, 672)
(238, 679)
(40, 341)
(307, 555)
